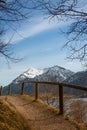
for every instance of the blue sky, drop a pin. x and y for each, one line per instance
(40, 44)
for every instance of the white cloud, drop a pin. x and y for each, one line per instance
(31, 29)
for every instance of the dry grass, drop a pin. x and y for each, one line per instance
(38, 115)
(83, 126)
(29, 98)
(9, 119)
(80, 126)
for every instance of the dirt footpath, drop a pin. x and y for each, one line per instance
(37, 115)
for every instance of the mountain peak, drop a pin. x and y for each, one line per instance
(55, 73)
(32, 72)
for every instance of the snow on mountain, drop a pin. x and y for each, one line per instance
(29, 74)
(54, 73)
(32, 72)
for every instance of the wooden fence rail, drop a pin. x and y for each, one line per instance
(9, 90)
(1, 88)
(61, 87)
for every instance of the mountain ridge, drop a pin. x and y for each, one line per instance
(54, 73)
(38, 74)
(79, 78)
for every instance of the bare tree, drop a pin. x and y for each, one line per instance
(5, 49)
(74, 11)
(49, 94)
(78, 110)
(12, 12)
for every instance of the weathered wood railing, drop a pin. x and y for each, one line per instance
(1, 90)
(61, 86)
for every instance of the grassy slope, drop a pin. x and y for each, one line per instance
(9, 119)
(80, 126)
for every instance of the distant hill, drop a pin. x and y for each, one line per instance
(55, 73)
(79, 78)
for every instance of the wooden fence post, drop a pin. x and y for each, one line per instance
(61, 107)
(22, 89)
(1, 91)
(9, 90)
(36, 91)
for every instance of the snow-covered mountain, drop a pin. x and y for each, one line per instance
(29, 74)
(32, 72)
(54, 73)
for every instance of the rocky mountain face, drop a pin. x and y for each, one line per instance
(55, 73)
(30, 74)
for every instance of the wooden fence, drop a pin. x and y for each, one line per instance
(61, 87)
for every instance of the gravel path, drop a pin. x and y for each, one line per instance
(37, 115)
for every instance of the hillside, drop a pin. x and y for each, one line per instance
(10, 119)
(38, 115)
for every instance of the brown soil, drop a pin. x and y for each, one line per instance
(37, 115)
